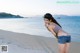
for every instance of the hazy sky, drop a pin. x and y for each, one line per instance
(39, 7)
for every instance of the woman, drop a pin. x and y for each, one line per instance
(55, 28)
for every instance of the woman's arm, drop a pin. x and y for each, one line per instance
(52, 31)
(50, 28)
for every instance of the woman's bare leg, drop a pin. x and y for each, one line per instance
(67, 47)
(62, 48)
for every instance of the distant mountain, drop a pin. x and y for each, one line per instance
(8, 15)
(65, 16)
(59, 16)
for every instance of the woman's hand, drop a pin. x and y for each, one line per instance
(46, 25)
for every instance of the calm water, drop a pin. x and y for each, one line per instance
(35, 26)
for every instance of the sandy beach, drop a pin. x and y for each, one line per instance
(25, 43)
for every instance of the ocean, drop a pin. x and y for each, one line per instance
(35, 26)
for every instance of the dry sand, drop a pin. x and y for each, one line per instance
(38, 43)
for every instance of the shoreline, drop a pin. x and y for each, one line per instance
(42, 43)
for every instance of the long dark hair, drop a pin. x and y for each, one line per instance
(51, 18)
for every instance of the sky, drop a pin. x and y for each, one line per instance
(40, 7)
